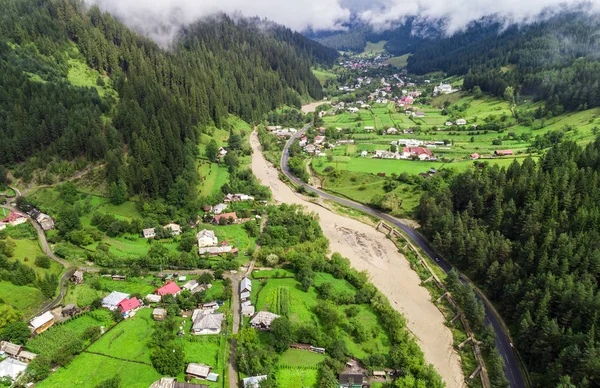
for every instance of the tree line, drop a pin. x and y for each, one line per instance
(527, 234)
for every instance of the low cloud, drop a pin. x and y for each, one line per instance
(162, 19)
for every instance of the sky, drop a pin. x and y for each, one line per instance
(160, 19)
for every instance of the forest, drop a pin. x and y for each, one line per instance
(148, 130)
(553, 60)
(528, 236)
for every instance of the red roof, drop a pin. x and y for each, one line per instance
(475, 155)
(207, 208)
(13, 216)
(168, 289)
(129, 304)
(417, 150)
(227, 216)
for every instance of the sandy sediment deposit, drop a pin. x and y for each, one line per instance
(389, 271)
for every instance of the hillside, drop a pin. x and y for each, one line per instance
(76, 83)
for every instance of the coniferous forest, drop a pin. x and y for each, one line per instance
(528, 235)
(148, 130)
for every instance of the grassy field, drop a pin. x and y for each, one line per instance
(374, 48)
(324, 75)
(27, 250)
(297, 357)
(297, 378)
(80, 74)
(128, 339)
(235, 235)
(400, 61)
(273, 273)
(82, 295)
(88, 370)
(23, 298)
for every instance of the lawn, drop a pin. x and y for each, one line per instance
(273, 273)
(24, 298)
(127, 340)
(82, 295)
(80, 74)
(235, 235)
(400, 61)
(297, 357)
(212, 177)
(297, 378)
(27, 250)
(374, 47)
(323, 75)
(141, 286)
(88, 370)
(300, 303)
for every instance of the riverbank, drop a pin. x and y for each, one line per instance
(389, 271)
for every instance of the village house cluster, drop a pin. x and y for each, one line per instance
(281, 132)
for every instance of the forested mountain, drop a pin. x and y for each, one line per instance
(528, 234)
(555, 60)
(164, 99)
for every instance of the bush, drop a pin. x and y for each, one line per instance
(42, 261)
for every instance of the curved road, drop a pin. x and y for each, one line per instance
(512, 370)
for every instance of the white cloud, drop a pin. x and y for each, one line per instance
(457, 14)
(161, 19)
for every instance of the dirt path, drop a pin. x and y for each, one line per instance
(370, 250)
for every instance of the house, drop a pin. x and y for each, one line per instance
(26, 356)
(303, 141)
(12, 368)
(200, 371)
(69, 310)
(461, 122)
(45, 221)
(245, 295)
(222, 152)
(353, 380)
(503, 152)
(218, 209)
(14, 219)
(369, 128)
(216, 251)
(207, 209)
(206, 323)
(190, 285)
(420, 152)
(379, 374)
(230, 217)
(153, 298)
(263, 319)
(149, 233)
(475, 156)
(245, 285)
(207, 238)
(170, 288)
(171, 382)
(118, 278)
(253, 382)
(128, 307)
(10, 349)
(159, 314)
(174, 228)
(311, 149)
(392, 131)
(42, 322)
(319, 140)
(364, 154)
(449, 123)
(112, 300)
(409, 131)
(210, 306)
(247, 310)
(77, 277)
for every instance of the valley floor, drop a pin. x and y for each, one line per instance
(389, 271)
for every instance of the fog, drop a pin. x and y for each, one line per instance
(161, 19)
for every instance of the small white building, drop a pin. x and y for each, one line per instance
(207, 238)
(152, 298)
(461, 122)
(190, 285)
(174, 228)
(218, 209)
(364, 154)
(12, 368)
(247, 310)
(41, 322)
(149, 233)
(245, 285)
(253, 382)
(392, 131)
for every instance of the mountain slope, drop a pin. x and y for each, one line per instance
(163, 98)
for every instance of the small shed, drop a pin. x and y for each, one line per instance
(69, 310)
(77, 277)
(159, 314)
(198, 370)
(149, 233)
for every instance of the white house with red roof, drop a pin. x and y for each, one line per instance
(319, 140)
(421, 152)
(14, 219)
(170, 288)
(128, 307)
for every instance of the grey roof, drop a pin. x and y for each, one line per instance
(207, 321)
(200, 370)
(27, 355)
(11, 368)
(263, 318)
(245, 284)
(114, 298)
(254, 381)
(10, 348)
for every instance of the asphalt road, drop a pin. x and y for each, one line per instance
(512, 370)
